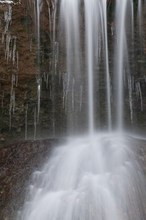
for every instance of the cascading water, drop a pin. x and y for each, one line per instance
(94, 177)
(70, 21)
(83, 58)
(122, 76)
(120, 56)
(88, 179)
(108, 83)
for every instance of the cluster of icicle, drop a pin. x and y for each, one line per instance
(11, 54)
(10, 2)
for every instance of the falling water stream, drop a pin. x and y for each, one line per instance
(121, 41)
(37, 9)
(95, 176)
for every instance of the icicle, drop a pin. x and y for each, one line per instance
(17, 58)
(49, 18)
(14, 50)
(10, 49)
(56, 54)
(39, 97)
(6, 2)
(7, 49)
(12, 101)
(49, 15)
(7, 18)
(16, 81)
(26, 125)
(46, 79)
(38, 5)
(139, 94)
(35, 124)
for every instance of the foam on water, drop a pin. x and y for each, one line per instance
(89, 178)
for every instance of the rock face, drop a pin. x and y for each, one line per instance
(20, 70)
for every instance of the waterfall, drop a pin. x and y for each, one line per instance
(108, 78)
(91, 20)
(94, 176)
(70, 21)
(95, 46)
(119, 63)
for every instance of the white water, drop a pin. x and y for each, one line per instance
(88, 179)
